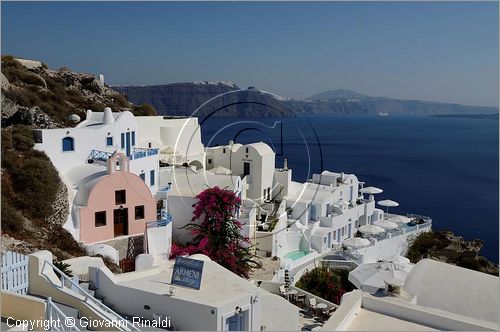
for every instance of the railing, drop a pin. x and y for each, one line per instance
(138, 153)
(57, 319)
(105, 310)
(339, 264)
(99, 155)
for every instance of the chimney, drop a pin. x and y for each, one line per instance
(107, 118)
(285, 164)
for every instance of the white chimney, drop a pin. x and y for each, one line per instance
(285, 164)
(108, 116)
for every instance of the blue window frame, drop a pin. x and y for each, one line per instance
(143, 177)
(123, 141)
(133, 138)
(152, 178)
(109, 141)
(68, 144)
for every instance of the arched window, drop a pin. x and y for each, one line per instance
(68, 144)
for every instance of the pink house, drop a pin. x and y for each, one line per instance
(114, 204)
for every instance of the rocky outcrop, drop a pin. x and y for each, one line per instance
(447, 247)
(60, 206)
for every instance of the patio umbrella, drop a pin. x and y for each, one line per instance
(388, 203)
(387, 225)
(371, 277)
(371, 229)
(370, 190)
(356, 242)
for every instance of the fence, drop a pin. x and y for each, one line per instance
(15, 272)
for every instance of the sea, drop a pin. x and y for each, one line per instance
(445, 168)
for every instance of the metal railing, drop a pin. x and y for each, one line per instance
(138, 153)
(57, 319)
(103, 309)
(99, 155)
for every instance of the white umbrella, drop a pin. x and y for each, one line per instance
(387, 225)
(371, 277)
(388, 203)
(397, 259)
(371, 229)
(370, 190)
(356, 242)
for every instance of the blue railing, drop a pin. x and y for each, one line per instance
(138, 153)
(99, 155)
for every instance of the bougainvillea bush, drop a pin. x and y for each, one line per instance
(325, 283)
(217, 233)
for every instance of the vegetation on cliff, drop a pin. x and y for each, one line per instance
(329, 284)
(446, 247)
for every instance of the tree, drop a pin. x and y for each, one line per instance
(325, 283)
(218, 235)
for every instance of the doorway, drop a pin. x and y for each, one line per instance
(120, 217)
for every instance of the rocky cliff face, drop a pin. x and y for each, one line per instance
(185, 98)
(447, 247)
(40, 97)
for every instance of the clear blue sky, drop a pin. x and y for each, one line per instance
(444, 51)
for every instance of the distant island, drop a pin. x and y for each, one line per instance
(184, 98)
(488, 116)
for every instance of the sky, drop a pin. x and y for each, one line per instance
(439, 51)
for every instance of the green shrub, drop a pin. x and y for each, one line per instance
(325, 283)
(12, 220)
(22, 138)
(144, 110)
(64, 268)
(424, 244)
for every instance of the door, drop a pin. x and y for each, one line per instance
(246, 169)
(127, 144)
(120, 217)
(312, 211)
(236, 322)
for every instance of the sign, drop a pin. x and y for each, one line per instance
(187, 272)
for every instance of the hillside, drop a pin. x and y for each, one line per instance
(184, 98)
(34, 199)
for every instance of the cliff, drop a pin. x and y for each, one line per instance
(184, 98)
(447, 247)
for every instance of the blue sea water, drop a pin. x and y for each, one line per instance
(446, 168)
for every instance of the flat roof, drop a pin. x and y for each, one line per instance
(367, 320)
(219, 286)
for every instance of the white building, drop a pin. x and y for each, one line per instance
(254, 162)
(177, 138)
(224, 302)
(435, 296)
(81, 155)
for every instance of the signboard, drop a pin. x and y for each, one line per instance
(187, 272)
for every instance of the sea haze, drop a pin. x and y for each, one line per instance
(446, 168)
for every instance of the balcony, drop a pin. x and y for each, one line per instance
(138, 153)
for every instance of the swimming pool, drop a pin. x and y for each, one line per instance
(294, 255)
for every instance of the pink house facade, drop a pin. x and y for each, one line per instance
(115, 204)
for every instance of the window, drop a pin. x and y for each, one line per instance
(143, 177)
(246, 150)
(224, 150)
(100, 219)
(123, 141)
(133, 138)
(246, 169)
(149, 145)
(109, 141)
(152, 178)
(120, 197)
(68, 144)
(139, 212)
(209, 161)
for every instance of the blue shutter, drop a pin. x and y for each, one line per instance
(109, 141)
(152, 178)
(133, 138)
(68, 144)
(123, 140)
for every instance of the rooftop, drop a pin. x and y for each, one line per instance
(219, 286)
